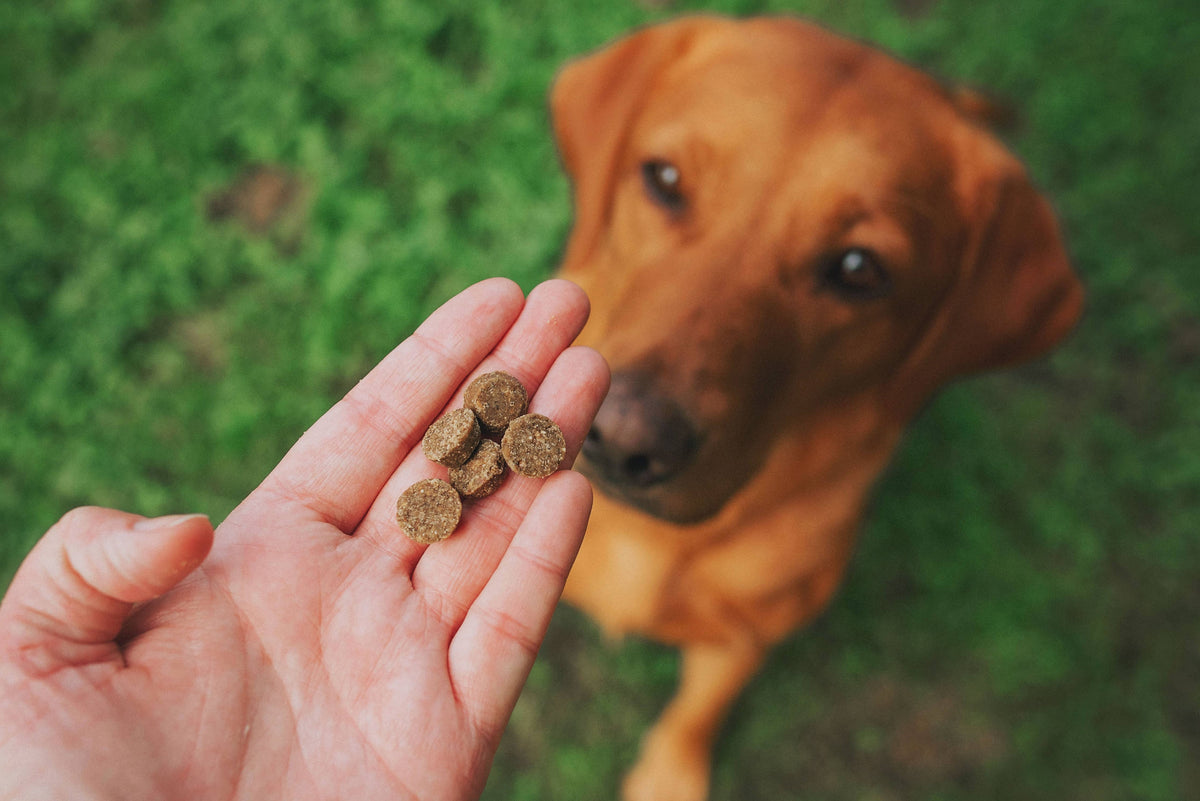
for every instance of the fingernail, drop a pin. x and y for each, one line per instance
(165, 522)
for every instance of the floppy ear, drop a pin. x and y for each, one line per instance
(593, 103)
(1016, 295)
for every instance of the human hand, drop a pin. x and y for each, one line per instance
(315, 652)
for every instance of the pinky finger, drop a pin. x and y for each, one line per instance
(494, 649)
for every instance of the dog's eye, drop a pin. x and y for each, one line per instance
(664, 184)
(856, 274)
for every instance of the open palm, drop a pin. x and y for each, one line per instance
(314, 651)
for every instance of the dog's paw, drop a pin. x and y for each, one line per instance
(668, 771)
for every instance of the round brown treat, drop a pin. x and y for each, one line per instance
(452, 438)
(428, 511)
(533, 445)
(497, 399)
(482, 474)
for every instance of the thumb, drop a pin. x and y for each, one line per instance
(73, 592)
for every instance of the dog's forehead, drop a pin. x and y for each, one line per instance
(804, 113)
(788, 82)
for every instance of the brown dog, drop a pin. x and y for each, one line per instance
(790, 241)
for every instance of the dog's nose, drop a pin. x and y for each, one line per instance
(640, 437)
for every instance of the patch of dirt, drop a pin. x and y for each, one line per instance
(914, 9)
(266, 200)
(202, 339)
(998, 114)
(933, 738)
(1185, 341)
(890, 739)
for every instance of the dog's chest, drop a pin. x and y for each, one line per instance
(636, 576)
(620, 580)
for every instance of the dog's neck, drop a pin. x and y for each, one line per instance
(821, 468)
(839, 445)
(811, 492)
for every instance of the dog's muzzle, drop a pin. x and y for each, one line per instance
(640, 437)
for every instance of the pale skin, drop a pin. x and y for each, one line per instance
(307, 649)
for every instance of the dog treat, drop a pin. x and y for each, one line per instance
(452, 438)
(481, 475)
(533, 445)
(429, 510)
(497, 399)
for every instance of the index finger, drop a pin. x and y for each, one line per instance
(343, 461)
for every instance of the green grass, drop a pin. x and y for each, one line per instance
(1020, 620)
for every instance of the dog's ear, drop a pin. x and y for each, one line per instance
(1015, 295)
(593, 102)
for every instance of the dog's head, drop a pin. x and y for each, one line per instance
(771, 220)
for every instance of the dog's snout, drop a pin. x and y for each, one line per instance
(640, 437)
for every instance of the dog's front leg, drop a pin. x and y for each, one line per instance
(676, 756)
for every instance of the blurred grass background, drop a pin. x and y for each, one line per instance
(1021, 619)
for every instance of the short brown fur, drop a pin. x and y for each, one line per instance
(791, 144)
